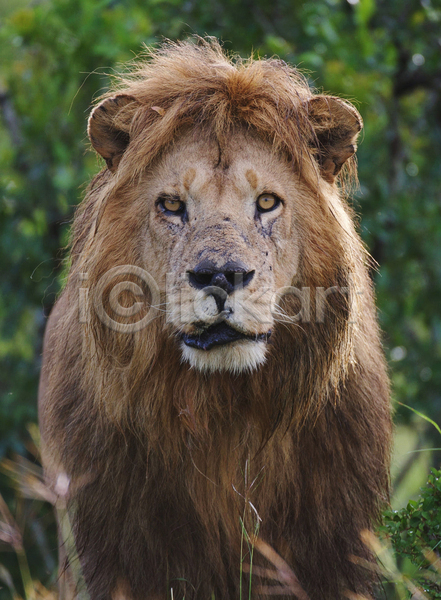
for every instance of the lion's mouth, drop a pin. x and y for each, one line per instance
(219, 335)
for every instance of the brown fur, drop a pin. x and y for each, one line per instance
(164, 461)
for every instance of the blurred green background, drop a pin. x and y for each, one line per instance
(383, 55)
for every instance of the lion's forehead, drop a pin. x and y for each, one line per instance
(213, 170)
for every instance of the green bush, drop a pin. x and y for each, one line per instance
(415, 535)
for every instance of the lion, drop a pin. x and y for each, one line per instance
(213, 373)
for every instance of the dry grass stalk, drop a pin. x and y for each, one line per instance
(389, 569)
(9, 531)
(28, 479)
(282, 573)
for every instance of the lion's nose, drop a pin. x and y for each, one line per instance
(229, 277)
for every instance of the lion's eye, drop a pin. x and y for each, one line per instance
(172, 205)
(267, 202)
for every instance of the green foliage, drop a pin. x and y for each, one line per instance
(415, 533)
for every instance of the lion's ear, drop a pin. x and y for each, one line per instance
(336, 124)
(109, 127)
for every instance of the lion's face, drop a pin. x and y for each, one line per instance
(223, 222)
(220, 240)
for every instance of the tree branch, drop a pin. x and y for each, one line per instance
(10, 119)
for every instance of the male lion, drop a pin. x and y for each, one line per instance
(212, 371)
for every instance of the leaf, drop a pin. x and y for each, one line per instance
(426, 418)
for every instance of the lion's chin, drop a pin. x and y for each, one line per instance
(237, 357)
